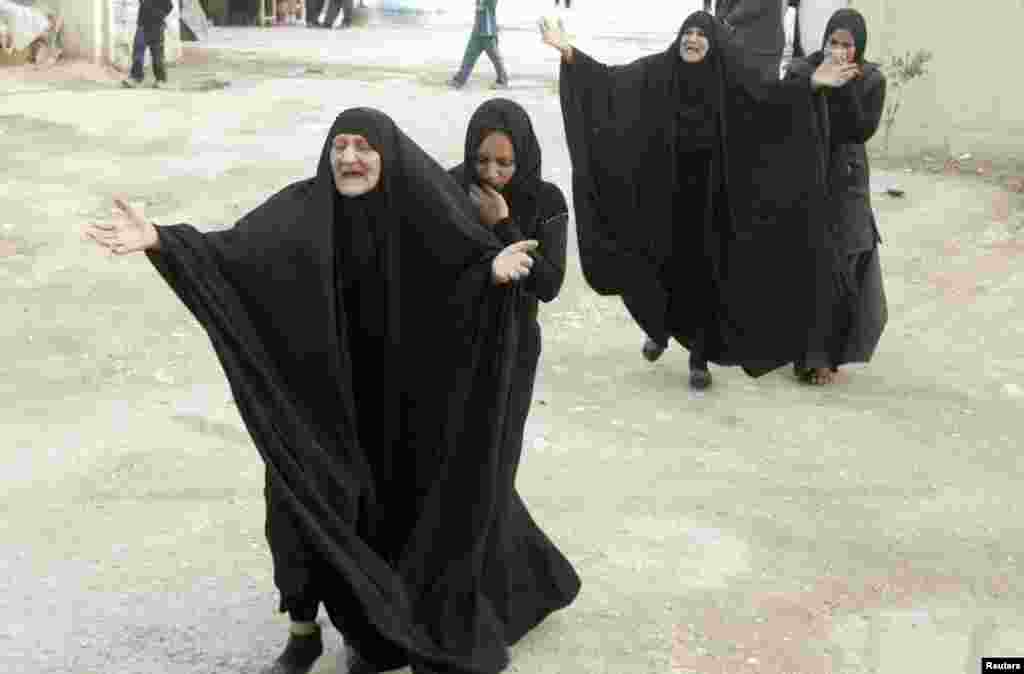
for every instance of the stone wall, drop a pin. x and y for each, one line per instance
(971, 101)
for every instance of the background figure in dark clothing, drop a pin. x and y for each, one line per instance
(568, 3)
(851, 116)
(757, 28)
(149, 33)
(484, 38)
(313, 9)
(333, 7)
(713, 228)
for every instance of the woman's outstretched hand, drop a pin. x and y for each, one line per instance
(514, 262)
(552, 32)
(129, 232)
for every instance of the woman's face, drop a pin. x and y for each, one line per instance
(694, 45)
(355, 164)
(842, 46)
(496, 160)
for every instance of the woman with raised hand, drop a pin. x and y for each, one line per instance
(698, 187)
(383, 490)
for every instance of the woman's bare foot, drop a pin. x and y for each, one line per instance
(816, 376)
(820, 376)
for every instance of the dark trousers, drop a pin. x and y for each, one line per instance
(313, 9)
(332, 12)
(477, 45)
(153, 38)
(568, 3)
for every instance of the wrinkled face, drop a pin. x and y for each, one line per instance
(496, 160)
(694, 45)
(842, 46)
(355, 164)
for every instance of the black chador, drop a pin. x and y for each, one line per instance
(537, 210)
(697, 189)
(850, 116)
(372, 359)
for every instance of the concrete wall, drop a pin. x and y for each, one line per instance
(972, 100)
(83, 27)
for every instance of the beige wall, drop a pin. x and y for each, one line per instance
(972, 99)
(83, 21)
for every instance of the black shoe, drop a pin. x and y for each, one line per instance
(455, 84)
(356, 664)
(298, 656)
(652, 350)
(700, 377)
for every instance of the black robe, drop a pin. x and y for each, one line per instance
(537, 210)
(850, 116)
(391, 518)
(771, 262)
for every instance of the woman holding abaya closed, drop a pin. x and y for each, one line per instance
(385, 495)
(851, 115)
(696, 183)
(501, 172)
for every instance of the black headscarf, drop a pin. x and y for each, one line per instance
(502, 114)
(853, 21)
(266, 291)
(698, 87)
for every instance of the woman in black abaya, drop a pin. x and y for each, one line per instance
(501, 172)
(851, 115)
(385, 495)
(696, 185)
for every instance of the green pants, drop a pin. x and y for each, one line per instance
(478, 44)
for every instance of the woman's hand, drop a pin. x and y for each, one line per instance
(513, 263)
(834, 75)
(130, 232)
(492, 205)
(552, 32)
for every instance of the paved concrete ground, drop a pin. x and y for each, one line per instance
(874, 526)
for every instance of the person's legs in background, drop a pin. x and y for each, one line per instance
(493, 53)
(138, 59)
(156, 50)
(313, 9)
(473, 49)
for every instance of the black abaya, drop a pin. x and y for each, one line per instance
(760, 220)
(537, 210)
(297, 298)
(850, 116)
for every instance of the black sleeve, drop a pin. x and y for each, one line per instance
(548, 272)
(856, 111)
(744, 12)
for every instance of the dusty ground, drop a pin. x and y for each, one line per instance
(872, 527)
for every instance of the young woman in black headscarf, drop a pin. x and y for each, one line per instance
(501, 172)
(385, 495)
(850, 116)
(696, 184)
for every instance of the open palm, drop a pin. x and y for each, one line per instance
(129, 232)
